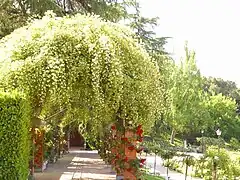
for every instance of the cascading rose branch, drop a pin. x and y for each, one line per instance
(92, 67)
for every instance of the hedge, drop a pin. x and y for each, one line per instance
(14, 136)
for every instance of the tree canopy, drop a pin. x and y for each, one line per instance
(15, 13)
(115, 72)
(85, 66)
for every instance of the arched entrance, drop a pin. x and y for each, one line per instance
(76, 139)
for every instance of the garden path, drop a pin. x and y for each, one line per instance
(77, 165)
(160, 169)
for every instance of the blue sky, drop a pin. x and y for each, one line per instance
(211, 28)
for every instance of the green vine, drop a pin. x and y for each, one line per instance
(86, 66)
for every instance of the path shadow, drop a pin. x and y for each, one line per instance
(78, 164)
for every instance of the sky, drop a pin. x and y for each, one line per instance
(211, 27)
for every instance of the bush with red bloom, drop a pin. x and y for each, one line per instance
(139, 132)
(117, 156)
(131, 148)
(139, 129)
(113, 127)
(139, 150)
(140, 139)
(120, 145)
(124, 139)
(142, 161)
(113, 161)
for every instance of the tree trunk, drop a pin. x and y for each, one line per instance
(33, 154)
(186, 172)
(173, 134)
(214, 172)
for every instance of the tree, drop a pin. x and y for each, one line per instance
(10, 18)
(85, 66)
(144, 29)
(144, 32)
(185, 94)
(15, 13)
(223, 115)
(218, 85)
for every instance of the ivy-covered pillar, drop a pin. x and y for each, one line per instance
(116, 151)
(36, 122)
(124, 152)
(130, 155)
(39, 151)
(31, 163)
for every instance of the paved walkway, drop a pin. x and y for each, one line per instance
(78, 165)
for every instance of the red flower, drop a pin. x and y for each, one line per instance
(131, 148)
(139, 150)
(141, 166)
(113, 161)
(139, 127)
(125, 159)
(140, 139)
(142, 161)
(117, 156)
(124, 139)
(139, 132)
(113, 127)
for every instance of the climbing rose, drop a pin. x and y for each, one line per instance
(139, 132)
(113, 161)
(113, 127)
(141, 139)
(117, 156)
(124, 139)
(131, 148)
(142, 161)
(139, 127)
(139, 150)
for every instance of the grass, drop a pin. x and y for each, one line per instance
(151, 177)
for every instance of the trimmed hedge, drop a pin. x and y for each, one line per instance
(14, 136)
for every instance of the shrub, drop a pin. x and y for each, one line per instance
(208, 141)
(234, 144)
(228, 164)
(14, 136)
(223, 161)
